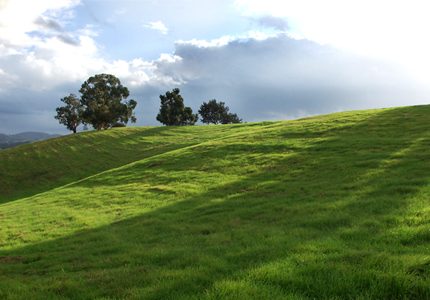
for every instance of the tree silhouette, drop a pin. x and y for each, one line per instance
(173, 112)
(70, 115)
(214, 112)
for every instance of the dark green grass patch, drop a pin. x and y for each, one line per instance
(331, 207)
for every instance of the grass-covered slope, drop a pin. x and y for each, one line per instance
(40, 166)
(330, 207)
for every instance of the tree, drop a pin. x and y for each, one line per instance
(213, 112)
(230, 119)
(102, 97)
(70, 115)
(172, 110)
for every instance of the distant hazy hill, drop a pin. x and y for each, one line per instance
(34, 136)
(13, 140)
(4, 138)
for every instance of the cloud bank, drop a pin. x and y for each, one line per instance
(280, 77)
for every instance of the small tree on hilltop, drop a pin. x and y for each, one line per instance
(213, 112)
(70, 115)
(173, 112)
(230, 119)
(101, 99)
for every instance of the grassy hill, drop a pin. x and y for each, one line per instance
(329, 207)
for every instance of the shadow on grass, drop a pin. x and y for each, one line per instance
(49, 164)
(314, 222)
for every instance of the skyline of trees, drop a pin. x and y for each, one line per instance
(100, 104)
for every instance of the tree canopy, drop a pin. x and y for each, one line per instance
(229, 118)
(173, 112)
(70, 115)
(102, 97)
(214, 112)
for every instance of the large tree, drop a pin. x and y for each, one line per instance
(214, 112)
(70, 115)
(173, 112)
(102, 97)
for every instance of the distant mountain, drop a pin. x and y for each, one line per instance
(4, 138)
(34, 136)
(13, 140)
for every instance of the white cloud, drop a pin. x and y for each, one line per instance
(157, 26)
(18, 19)
(203, 43)
(34, 40)
(35, 48)
(258, 35)
(225, 40)
(386, 29)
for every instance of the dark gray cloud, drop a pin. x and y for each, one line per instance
(270, 21)
(48, 23)
(67, 39)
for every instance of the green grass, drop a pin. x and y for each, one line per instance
(329, 207)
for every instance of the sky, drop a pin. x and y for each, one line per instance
(267, 60)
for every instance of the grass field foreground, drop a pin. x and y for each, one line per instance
(329, 207)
